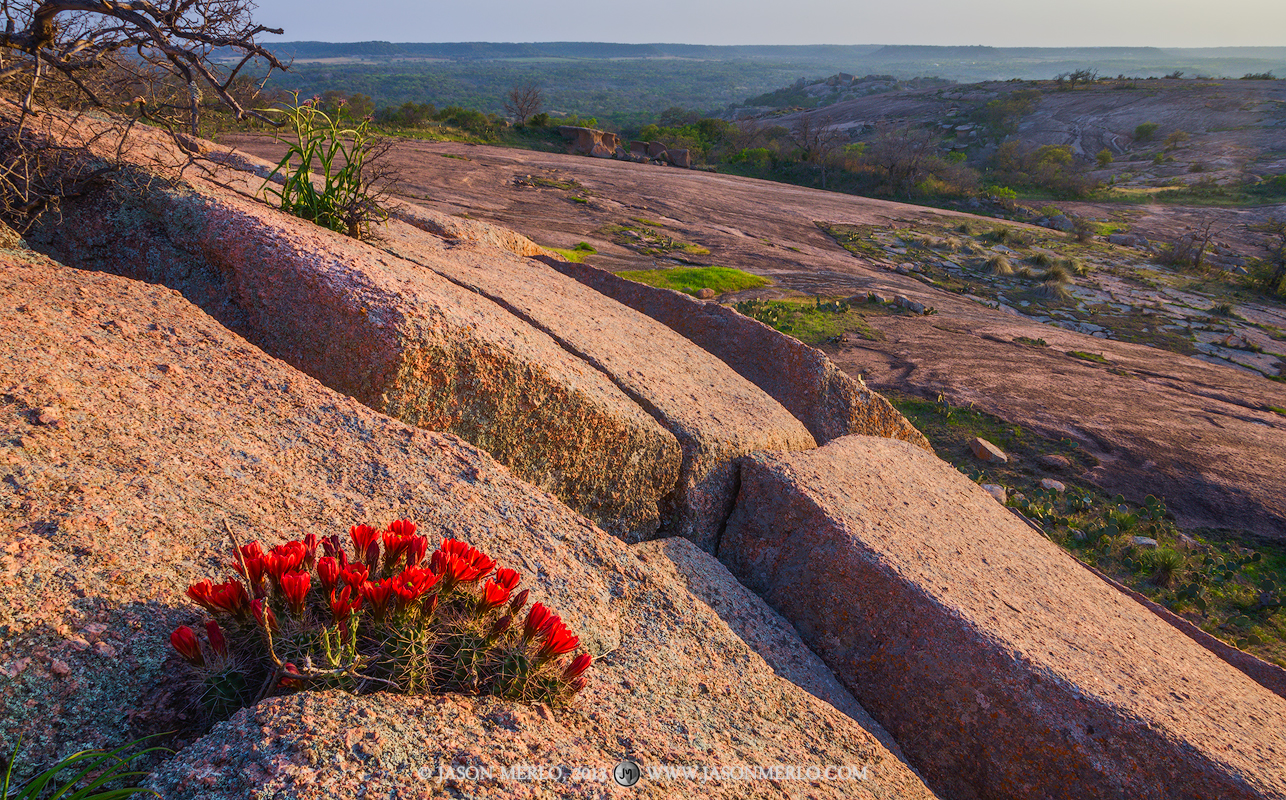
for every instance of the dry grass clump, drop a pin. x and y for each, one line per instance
(1057, 273)
(999, 265)
(1054, 290)
(1076, 266)
(1041, 259)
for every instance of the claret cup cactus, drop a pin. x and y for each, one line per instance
(314, 613)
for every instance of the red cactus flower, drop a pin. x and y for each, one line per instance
(377, 596)
(507, 578)
(578, 666)
(429, 605)
(282, 559)
(519, 602)
(259, 610)
(415, 552)
(578, 684)
(412, 584)
(343, 605)
(402, 527)
(328, 572)
(457, 562)
(294, 585)
(215, 634)
(499, 627)
(363, 536)
(203, 594)
(493, 597)
(248, 551)
(355, 575)
(396, 546)
(223, 598)
(253, 557)
(558, 640)
(537, 618)
(184, 640)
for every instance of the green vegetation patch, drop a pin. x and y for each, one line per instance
(575, 254)
(1230, 590)
(1097, 358)
(1027, 340)
(814, 321)
(691, 280)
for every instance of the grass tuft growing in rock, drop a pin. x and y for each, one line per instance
(383, 619)
(999, 265)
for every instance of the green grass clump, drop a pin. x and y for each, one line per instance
(322, 146)
(691, 280)
(1095, 357)
(1030, 341)
(81, 776)
(574, 256)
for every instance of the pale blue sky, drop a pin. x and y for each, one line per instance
(1161, 23)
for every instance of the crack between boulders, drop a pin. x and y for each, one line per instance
(669, 502)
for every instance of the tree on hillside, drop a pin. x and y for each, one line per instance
(138, 42)
(524, 102)
(817, 138)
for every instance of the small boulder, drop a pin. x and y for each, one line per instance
(984, 450)
(1061, 223)
(909, 304)
(680, 158)
(1053, 485)
(706, 293)
(655, 150)
(1146, 542)
(1055, 461)
(599, 151)
(996, 491)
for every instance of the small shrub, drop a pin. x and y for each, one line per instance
(1196, 166)
(1104, 158)
(386, 618)
(1050, 211)
(1083, 230)
(1041, 259)
(584, 247)
(1145, 131)
(1175, 139)
(1258, 76)
(1030, 341)
(1221, 310)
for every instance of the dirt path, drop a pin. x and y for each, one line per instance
(1200, 434)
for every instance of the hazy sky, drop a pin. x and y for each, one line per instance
(1173, 23)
